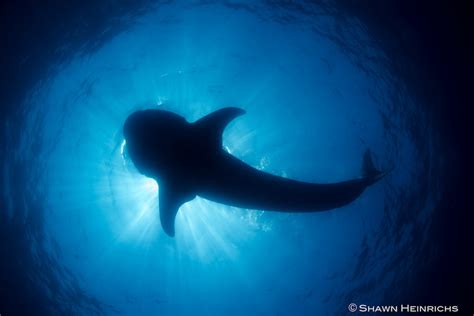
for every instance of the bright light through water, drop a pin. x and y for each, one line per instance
(196, 218)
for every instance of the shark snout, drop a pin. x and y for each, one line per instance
(132, 125)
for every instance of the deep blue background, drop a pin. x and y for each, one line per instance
(78, 228)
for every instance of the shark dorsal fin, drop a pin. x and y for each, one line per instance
(213, 124)
(171, 197)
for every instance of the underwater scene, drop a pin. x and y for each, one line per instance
(81, 221)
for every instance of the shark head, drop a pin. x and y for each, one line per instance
(153, 138)
(174, 152)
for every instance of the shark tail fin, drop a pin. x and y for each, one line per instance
(368, 169)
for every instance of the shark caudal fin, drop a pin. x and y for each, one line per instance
(368, 169)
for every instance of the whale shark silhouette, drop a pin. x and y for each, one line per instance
(188, 160)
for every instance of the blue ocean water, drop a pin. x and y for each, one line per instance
(316, 96)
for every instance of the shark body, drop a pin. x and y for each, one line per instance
(188, 160)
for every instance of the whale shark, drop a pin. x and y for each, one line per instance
(188, 160)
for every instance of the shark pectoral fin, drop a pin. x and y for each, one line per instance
(214, 123)
(170, 201)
